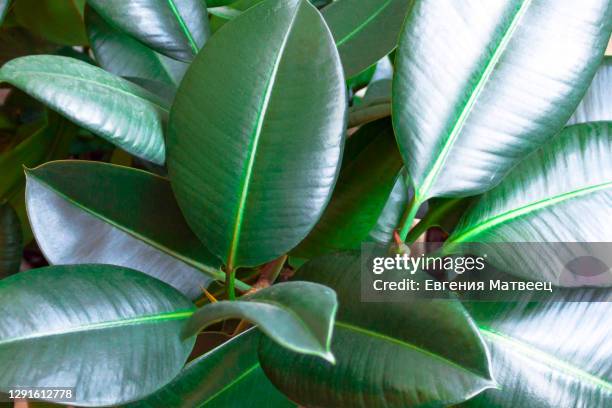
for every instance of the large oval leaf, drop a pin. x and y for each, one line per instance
(122, 55)
(227, 377)
(58, 21)
(369, 170)
(406, 354)
(560, 193)
(548, 354)
(91, 327)
(597, 103)
(111, 107)
(365, 30)
(176, 28)
(10, 241)
(267, 158)
(296, 315)
(480, 84)
(90, 212)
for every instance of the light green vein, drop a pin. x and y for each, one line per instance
(363, 24)
(148, 319)
(412, 347)
(255, 136)
(527, 350)
(231, 384)
(184, 28)
(467, 109)
(526, 209)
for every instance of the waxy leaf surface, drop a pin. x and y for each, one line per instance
(111, 107)
(479, 85)
(596, 105)
(365, 30)
(296, 315)
(176, 28)
(91, 327)
(124, 56)
(561, 193)
(265, 104)
(228, 376)
(91, 212)
(412, 353)
(549, 354)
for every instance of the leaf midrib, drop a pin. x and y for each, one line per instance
(183, 25)
(96, 83)
(527, 209)
(361, 26)
(549, 359)
(246, 179)
(146, 319)
(441, 158)
(410, 346)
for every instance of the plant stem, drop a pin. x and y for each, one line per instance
(408, 217)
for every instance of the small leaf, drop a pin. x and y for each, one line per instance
(560, 193)
(59, 21)
(480, 85)
(91, 212)
(258, 182)
(10, 241)
(365, 30)
(81, 326)
(111, 107)
(552, 353)
(124, 56)
(368, 175)
(597, 104)
(296, 315)
(176, 28)
(227, 377)
(402, 354)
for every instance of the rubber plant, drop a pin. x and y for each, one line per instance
(223, 161)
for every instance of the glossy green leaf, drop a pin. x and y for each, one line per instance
(176, 28)
(91, 212)
(267, 158)
(365, 183)
(91, 327)
(59, 21)
(597, 103)
(109, 106)
(480, 85)
(365, 30)
(10, 241)
(549, 354)
(560, 193)
(404, 354)
(227, 377)
(124, 56)
(296, 315)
